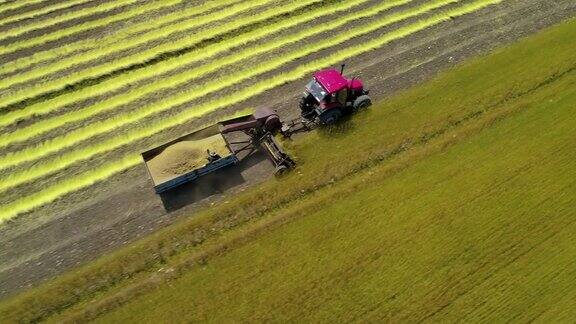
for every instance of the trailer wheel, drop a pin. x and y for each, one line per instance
(280, 170)
(272, 124)
(362, 103)
(331, 116)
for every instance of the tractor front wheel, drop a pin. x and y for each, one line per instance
(331, 116)
(362, 103)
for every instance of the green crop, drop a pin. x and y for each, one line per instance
(137, 28)
(184, 76)
(41, 11)
(17, 4)
(69, 185)
(145, 55)
(39, 24)
(81, 27)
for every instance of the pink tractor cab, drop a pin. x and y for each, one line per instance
(329, 96)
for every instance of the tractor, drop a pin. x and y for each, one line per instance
(330, 96)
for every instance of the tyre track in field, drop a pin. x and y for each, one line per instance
(86, 245)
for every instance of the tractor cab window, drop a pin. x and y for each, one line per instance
(317, 90)
(330, 98)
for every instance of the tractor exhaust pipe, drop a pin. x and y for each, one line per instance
(342, 69)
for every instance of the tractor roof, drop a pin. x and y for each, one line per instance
(331, 80)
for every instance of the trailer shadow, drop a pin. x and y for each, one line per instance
(211, 184)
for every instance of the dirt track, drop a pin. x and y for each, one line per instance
(106, 216)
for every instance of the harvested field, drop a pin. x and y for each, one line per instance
(71, 129)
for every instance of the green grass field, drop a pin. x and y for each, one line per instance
(483, 231)
(480, 230)
(453, 201)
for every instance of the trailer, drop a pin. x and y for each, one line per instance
(219, 154)
(210, 149)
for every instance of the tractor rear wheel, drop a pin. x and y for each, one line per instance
(331, 116)
(362, 103)
(272, 124)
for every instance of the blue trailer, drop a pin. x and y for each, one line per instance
(221, 143)
(225, 158)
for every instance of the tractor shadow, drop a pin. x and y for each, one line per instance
(344, 126)
(216, 183)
